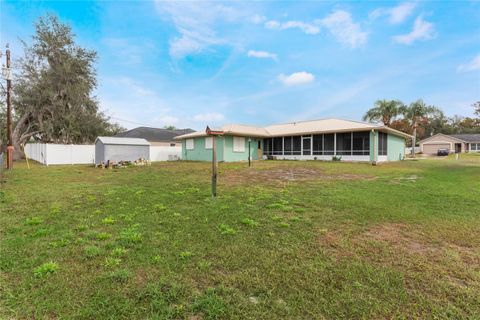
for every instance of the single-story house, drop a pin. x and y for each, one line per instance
(156, 136)
(303, 140)
(454, 143)
(120, 149)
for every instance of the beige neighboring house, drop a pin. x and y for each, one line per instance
(454, 143)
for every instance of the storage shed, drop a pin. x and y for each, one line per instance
(121, 149)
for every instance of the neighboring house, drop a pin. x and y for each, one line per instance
(303, 140)
(156, 136)
(121, 149)
(454, 143)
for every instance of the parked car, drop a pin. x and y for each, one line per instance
(442, 152)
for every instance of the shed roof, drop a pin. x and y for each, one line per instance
(298, 128)
(123, 141)
(153, 134)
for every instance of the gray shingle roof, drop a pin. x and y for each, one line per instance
(153, 134)
(471, 137)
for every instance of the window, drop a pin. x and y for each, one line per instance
(344, 143)
(287, 146)
(172, 144)
(189, 144)
(328, 144)
(277, 145)
(307, 145)
(238, 144)
(382, 143)
(318, 144)
(297, 145)
(267, 146)
(208, 142)
(361, 143)
(475, 147)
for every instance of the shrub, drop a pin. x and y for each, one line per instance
(108, 220)
(33, 221)
(131, 235)
(119, 252)
(186, 254)
(249, 222)
(92, 251)
(103, 236)
(226, 229)
(45, 269)
(112, 262)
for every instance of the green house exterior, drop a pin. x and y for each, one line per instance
(309, 140)
(225, 152)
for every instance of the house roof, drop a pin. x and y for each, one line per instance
(123, 141)
(471, 137)
(298, 128)
(154, 134)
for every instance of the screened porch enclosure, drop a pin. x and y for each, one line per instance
(354, 145)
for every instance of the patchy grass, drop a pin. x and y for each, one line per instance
(283, 240)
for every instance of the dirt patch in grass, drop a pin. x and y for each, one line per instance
(400, 236)
(282, 175)
(405, 240)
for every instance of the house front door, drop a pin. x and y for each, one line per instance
(458, 147)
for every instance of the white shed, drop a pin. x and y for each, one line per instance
(121, 149)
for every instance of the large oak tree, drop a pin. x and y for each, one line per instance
(54, 87)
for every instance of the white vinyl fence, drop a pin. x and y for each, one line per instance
(60, 153)
(84, 154)
(165, 153)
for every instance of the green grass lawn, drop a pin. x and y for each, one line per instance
(284, 239)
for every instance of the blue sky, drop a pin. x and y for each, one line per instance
(190, 64)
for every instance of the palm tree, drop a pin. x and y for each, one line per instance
(384, 110)
(416, 113)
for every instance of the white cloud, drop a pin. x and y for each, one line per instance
(257, 19)
(129, 85)
(209, 116)
(195, 21)
(396, 14)
(471, 66)
(401, 12)
(166, 120)
(297, 78)
(422, 30)
(341, 26)
(126, 51)
(261, 54)
(303, 26)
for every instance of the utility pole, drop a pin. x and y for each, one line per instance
(9, 112)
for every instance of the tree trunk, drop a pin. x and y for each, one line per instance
(18, 136)
(18, 153)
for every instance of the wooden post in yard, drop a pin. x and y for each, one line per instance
(214, 168)
(213, 134)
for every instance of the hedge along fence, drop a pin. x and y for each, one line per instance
(49, 154)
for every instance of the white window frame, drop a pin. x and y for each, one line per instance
(477, 147)
(238, 144)
(208, 142)
(190, 144)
